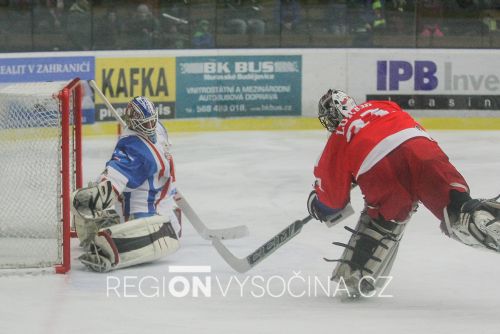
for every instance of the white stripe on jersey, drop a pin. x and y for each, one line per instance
(387, 145)
(117, 179)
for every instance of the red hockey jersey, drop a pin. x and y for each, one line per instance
(368, 134)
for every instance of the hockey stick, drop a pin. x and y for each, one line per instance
(175, 19)
(242, 265)
(207, 233)
(235, 232)
(110, 107)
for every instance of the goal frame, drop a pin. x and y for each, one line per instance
(70, 98)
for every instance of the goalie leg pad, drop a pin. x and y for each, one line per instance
(137, 241)
(86, 229)
(476, 225)
(90, 202)
(369, 254)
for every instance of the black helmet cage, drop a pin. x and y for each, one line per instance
(328, 114)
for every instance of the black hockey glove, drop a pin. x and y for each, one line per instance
(318, 210)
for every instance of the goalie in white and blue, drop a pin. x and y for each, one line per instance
(140, 176)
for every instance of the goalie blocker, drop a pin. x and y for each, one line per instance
(110, 245)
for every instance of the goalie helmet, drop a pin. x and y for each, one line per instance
(142, 117)
(333, 107)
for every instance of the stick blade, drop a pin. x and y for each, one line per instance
(206, 233)
(235, 232)
(240, 265)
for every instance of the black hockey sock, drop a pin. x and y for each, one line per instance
(457, 199)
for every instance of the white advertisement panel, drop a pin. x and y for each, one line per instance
(439, 83)
(322, 69)
(426, 82)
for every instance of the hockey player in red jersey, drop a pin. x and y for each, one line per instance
(396, 164)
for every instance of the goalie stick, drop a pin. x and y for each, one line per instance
(108, 104)
(205, 232)
(242, 265)
(235, 232)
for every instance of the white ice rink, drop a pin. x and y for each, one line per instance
(262, 179)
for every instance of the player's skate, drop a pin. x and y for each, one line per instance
(95, 259)
(369, 255)
(477, 224)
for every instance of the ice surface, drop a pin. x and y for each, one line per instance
(262, 179)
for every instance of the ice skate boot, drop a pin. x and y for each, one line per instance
(477, 224)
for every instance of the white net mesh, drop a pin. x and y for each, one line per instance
(30, 176)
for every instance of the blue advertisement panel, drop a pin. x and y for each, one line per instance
(228, 86)
(39, 69)
(46, 69)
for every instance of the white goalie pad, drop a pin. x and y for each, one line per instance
(86, 229)
(137, 241)
(368, 256)
(90, 202)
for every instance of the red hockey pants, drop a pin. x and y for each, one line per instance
(418, 170)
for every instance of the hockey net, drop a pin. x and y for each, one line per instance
(40, 164)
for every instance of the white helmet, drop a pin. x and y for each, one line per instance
(333, 107)
(142, 116)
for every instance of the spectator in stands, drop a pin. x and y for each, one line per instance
(202, 37)
(378, 22)
(174, 24)
(174, 35)
(288, 15)
(107, 31)
(360, 15)
(47, 15)
(399, 5)
(490, 22)
(175, 8)
(243, 17)
(79, 25)
(19, 20)
(337, 17)
(142, 29)
(56, 9)
(467, 18)
(401, 17)
(431, 15)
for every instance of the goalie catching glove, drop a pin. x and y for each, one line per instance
(325, 214)
(91, 207)
(91, 202)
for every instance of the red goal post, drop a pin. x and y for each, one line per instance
(40, 165)
(70, 98)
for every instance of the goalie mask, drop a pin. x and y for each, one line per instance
(142, 117)
(333, 107)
